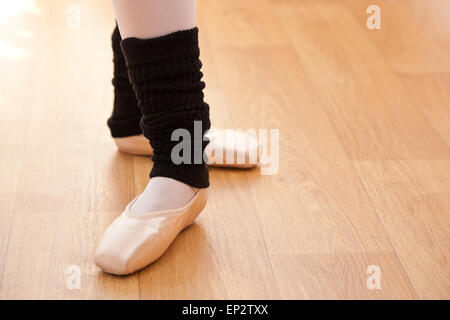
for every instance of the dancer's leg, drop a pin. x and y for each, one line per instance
(161, 51)
(165, 71)
(124, 122)
(146, 19)
(126, 115)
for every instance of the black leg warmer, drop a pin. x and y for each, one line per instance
(126, 114)
(165, 73)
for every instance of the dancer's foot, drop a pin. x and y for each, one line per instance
(136, 145)
(138, 237)
(232, 149)
(162, 193)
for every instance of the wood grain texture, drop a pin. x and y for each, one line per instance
(364, 173)
(341, 276)
(412, 199)
(314, 211)
(431, 93)
(427, 51)
(372, 113)
(209, 259)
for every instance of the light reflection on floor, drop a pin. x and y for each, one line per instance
(8, 11)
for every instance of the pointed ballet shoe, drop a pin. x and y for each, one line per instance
(244, 149)
(135, 145)
(245, 153)
(132, 242)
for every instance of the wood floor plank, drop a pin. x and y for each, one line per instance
(412, 200)
(11, 166)
(16, 57)
(413, 37)
(209, 260)
(44, 245)
(72, 182)
(364, 172)
(240, 23)
(341, 276)
(432, 94)
(316, 191)
(374, 116)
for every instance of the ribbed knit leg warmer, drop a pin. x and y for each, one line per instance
(126, 114)
(165, 74)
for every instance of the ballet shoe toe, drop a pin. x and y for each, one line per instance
(131, 242)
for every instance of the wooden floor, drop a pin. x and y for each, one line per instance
(364, 175)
